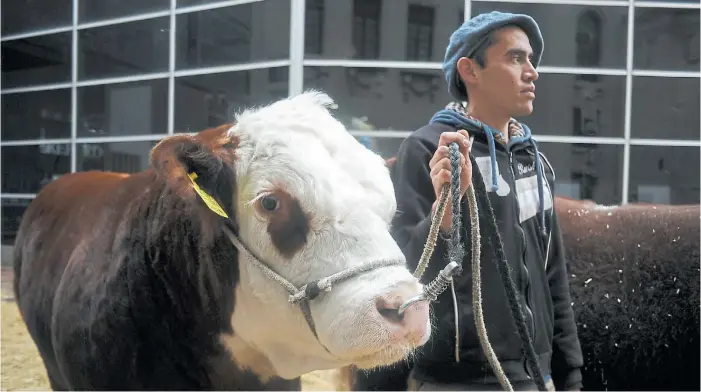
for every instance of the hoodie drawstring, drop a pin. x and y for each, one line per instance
(455, 119)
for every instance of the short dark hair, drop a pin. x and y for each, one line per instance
(480, 54)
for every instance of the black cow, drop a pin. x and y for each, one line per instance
(635, 289)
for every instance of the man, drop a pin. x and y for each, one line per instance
(491, 63)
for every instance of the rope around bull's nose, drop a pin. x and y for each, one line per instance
(456, 254)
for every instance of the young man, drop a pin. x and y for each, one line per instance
(491, 63)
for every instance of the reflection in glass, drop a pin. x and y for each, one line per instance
(21, 16)
(578, 105)
(575, 35)
(210, 100)
(667, 175)
(665, 108)
(27, 169)
(400, 99)
(121, 157)
(44, 59)
(94, 10)
(134, 108)
(12, 211)
(380, 29)
(233, 35)
(124, 49)
(666, 39)
(586, 171)
(36, 115)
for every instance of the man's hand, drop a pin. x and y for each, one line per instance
(440, 170)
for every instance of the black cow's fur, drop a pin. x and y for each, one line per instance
(127, 282)
(647, 257)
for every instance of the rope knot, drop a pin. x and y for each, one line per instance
(312, 290)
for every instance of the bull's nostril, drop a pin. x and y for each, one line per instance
(389, 312)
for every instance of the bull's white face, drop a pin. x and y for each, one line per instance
(312, 201)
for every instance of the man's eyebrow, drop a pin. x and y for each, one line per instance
(520, 52)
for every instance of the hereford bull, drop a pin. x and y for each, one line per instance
(635, 290)
(185, 276)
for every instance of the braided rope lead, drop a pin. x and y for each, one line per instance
(445, 277)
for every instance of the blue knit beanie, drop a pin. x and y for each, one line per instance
(472, 34)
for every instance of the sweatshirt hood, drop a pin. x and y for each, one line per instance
(455, 115)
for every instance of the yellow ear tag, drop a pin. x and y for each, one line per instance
(208, 200)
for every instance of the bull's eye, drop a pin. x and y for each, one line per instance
(269, 203)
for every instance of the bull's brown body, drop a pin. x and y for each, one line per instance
(125, 281)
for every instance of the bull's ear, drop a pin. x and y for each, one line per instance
(197, 166)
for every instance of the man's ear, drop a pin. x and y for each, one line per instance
(195, 167)
(467, 70)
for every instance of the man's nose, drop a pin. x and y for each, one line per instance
(530, 73)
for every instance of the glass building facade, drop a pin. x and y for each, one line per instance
(94, 84)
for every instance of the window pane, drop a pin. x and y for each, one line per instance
(134, 108)
(94, 10)
(400, 99)
(26, 169)
(12, 211)
(36, 115)
(38, 60)
(666, 39)
(121, 157)
(665, 108)
(578, 105)
(574, 35)
(210, 100)
(233, 35)
(125, 49)
(586, 171)
(667, 175)
(386, 147)
(20, 17)
(379, 30)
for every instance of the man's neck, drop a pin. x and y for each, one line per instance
(493, 120)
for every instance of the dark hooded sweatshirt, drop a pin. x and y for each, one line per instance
(520, 194)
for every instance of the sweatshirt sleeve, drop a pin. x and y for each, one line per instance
(415, 197)
(567, 353)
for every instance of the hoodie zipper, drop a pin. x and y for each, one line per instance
(531, 321)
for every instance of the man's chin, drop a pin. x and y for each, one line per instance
(525, 110)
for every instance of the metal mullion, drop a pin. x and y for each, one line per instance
(123, 20)
(579, 139)
(18, 195)
(297, 32)
(36, 33)
(233, 68)
(34, 142)
(74, 89)
(625, 179)
(666, 74)
(122, 138)
(468, 10)
(661, 4)
(122, 79)
(665, 143)
(171, 69)
(544, 69)
(205, 7)
(29, 89)
(371, 64)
